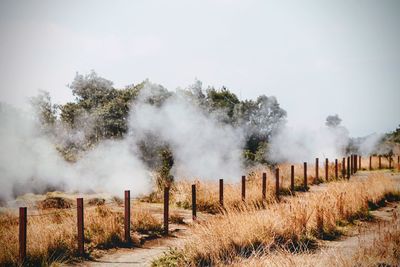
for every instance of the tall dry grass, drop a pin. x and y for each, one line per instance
(383, 249)
(208, 191)
(52, 233)
(292, 225)
(384, 162)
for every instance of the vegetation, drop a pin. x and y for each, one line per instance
(52, 235)
(101, 112)
(293, 225)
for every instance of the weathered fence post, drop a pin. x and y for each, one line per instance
(359, 162)
(305, 176)
(398, 163)
(390, 162)
(292, 178)
(221, 192)
(348, 167)
(264, 186)
(127, 220)
(277, 183)
(355, 163)
(166, 209)
(351, 164)
(344, 167)
(370, 163)
(336, 169)
(243, 188)
(316, 168)
(22, 234)
(380, 161)
(194, 215)
(326, 169)
(81, 238)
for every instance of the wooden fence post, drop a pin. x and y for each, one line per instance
(221, 192)
(305, 176)
(316, 168)
(166, 209)
(390, 162)
(370, 163)
(127, 220)
(243, 188)
(277, 183)
(343, 167)
(355, 163)
(22, 234)
(292, 178)
(264, 186)
(380, 161)
(398, 163)
(194, 215)
(351, 164)
(348, 167)
(81, 238)
(359, 162)
(326, 169)
(336, 169)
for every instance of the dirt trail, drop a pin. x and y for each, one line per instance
(365, 232)
(143, 256)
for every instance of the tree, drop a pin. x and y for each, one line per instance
(222, 100)
(45, 110)
(333, 121)
(91, 90)
(259, 118)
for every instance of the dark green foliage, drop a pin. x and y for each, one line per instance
(222, 100)
(167, 161)
(44, 108)
(101, 111)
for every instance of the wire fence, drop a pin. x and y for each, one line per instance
(346, 169)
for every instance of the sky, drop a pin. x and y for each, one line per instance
(317, 57)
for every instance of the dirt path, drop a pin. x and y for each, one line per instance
(143, 256)
(364, 232)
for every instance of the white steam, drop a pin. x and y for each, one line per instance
(304, 144)
(372, 144)
(29, 162)
(202, 146)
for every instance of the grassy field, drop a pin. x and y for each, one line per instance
(294, 225)
(52, 230)
(237, 230)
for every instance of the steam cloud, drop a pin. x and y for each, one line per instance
(202, 146)
(301, 144)
(31, 163)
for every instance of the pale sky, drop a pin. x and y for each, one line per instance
(317, 57)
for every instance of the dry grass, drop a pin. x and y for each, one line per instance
(293, 225)
(208, 191)
(52, 234)
(375, 163)
(383, 250)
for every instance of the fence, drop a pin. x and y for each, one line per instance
(354, 163)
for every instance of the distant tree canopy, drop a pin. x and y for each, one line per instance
(108, 106)
(394, 136)
(333, 120)
(107, 110)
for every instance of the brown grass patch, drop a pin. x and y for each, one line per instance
(292, 225)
